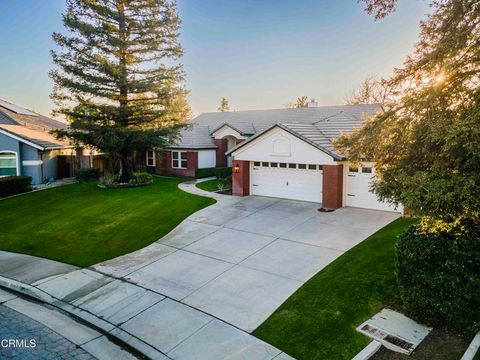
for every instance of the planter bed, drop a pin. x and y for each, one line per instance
(122, 185)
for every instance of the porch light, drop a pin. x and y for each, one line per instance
(236, 169)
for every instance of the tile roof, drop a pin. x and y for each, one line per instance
(33, 128)
(320, 125)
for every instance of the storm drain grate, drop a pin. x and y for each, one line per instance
(395, 331)
(399, 342)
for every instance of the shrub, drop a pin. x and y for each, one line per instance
(87, 174)
(219, 172)
(225, 184)
(205, 172)
(12, 185)
(140, 177)
(140, 168)
(438, 271)
(108, 179)
(223, 172)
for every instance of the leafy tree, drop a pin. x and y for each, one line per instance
(117, 81)
(301, 102)
(224, 105)
(426, 144)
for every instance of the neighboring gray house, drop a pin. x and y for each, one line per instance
(27, 147)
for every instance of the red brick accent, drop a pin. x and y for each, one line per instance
(332, 186)
(222, 147)
(241, 180)
(192, 164)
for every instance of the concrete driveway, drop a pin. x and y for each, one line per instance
(241, 258)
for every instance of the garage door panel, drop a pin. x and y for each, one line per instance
(359, 194)
(295, 184)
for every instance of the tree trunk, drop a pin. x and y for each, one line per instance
(126, 168)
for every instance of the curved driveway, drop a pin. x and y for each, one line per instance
(241, 258)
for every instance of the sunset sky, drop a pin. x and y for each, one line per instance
(257, 53)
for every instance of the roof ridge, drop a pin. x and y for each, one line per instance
(327, 117)
(288, 109)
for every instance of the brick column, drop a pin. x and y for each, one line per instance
(241, 180)
(222, 147)
(332, 186)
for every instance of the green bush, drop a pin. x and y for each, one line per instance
(225, 183)
(140, 168)
(12, 185)
(219, 172)
(139, 178)
(438, 271)
(87, 174)
(205, 172)
(223, 172)
(108, 179)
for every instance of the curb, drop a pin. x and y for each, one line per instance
(368, 351)
(472, 348)
(120, 336)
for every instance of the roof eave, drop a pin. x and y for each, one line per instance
(230, 126)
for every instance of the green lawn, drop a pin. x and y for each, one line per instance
(82, 224)
(319, 320)
(210, 185)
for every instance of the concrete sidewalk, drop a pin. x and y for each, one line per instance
(151, 323)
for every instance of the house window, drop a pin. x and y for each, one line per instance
(302, 166)
(366, 170)
(312, 167)
(8, 163)
(256, 163)
(283, 165)
(179, 159)
(265, 164)
(320, 167)
(150, 158)
(292, 166)
(273, 164)
(352, 169)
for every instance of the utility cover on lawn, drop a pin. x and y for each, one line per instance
(395, 331)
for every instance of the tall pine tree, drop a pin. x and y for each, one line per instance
(117, 80)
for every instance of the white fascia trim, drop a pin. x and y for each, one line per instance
(21, 139)
(32, 162)
(235, 132)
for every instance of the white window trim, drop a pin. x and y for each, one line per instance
(17, 163)
(150, 158)
(179, 160)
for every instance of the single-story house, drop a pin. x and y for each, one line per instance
(27, 147)
(284, 153)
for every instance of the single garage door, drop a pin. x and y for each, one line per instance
(288, 181)
(358, 190)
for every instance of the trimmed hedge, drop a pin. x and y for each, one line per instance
(438, 271)
(219, 172)
(13, 185)
(87, 174)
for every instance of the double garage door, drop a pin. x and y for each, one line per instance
(358, 190)
(288, 181)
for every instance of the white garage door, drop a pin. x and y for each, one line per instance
(358, 190)
(288, 181)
